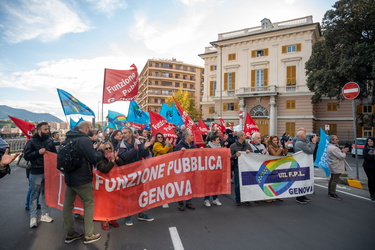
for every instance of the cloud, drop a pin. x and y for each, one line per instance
(83, 78)
(108, 6)
(43, 20)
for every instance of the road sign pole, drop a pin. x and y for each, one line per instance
(355, 138)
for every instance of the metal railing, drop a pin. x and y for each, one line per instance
(16, 145)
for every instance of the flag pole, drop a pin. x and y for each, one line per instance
(105, 71)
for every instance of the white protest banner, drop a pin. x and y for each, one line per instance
(264, 177)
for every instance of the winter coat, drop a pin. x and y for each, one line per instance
(31, 152)
(336, 159)
(183, 144)
(368, 157)
(159, 149)
(129, 154)
(302, 145)
(234, 148)
(83, 174)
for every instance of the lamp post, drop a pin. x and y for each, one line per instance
(220, 61)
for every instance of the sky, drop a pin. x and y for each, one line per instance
(67, 44)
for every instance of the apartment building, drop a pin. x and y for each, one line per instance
(261, 71)
(160, 78)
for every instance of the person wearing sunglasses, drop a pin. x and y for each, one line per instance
(105, 165)
(161, 146)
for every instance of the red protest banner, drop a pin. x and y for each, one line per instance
(149, 183)
(160, 125)
(120, 85)
(250, 126)
(203, 127)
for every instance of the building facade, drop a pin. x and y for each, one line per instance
(261, 71)
(159, 79)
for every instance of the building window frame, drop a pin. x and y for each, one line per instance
(332, 106)
(290, 104)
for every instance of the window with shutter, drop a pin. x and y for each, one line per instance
(283, 49)
(253, 53)
(231, 57)
(225, 81)
(331, 106)
(212, 88)
(291, 104)
(265, 77)
(265, 52)
(236, 106)
(290, 75)
(232, 82)
(224, 107)
(253, 78)
(290, 128)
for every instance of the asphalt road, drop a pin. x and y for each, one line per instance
(321, 224)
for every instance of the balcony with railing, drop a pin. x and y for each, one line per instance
(270, 90)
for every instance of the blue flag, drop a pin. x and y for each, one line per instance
(171, 114)
(137, 115)
(321, 154)
(72, 106)
(116, 120)
(73, 124)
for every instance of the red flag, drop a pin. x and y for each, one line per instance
(120, 85)
(136, 125)
(189, 123)
(25, 126)
(160, 125)
(250, 126)
(203, 127)
(222, 126)
(231, 126)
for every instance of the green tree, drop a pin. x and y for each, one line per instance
(346, 52)
(187, 102)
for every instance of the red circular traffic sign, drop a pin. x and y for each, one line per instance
(351, 90)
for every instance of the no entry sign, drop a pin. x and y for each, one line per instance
(351, 90)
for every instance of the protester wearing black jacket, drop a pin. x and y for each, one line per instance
(185, 143)
(34, 151)
(369, 165)
(79, 182)
(235, 151)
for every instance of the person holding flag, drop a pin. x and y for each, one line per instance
(336, 162)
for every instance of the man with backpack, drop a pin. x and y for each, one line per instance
(35, 148)
(78, 180)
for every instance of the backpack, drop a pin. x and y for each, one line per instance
(68, 157)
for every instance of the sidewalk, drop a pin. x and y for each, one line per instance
(351, 174)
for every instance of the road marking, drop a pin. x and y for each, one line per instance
(165, 205)
(177, 244)
(354, 195)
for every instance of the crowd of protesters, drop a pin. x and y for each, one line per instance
(104, 151)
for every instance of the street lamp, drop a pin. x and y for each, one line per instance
(220, 75)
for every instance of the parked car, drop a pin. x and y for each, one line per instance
(360, 145)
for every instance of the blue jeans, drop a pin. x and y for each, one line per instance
(214, 197)
(237, 185)
(36, 192)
